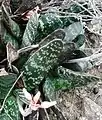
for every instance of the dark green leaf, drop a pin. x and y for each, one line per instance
(6, 83)
(67, 52)
(39, 64)
(74, 30)
(3, 116)
(11, 109)
(68, 20)
(47, 24)
(66, 79)
(76, 79)
(79, 66)
(11, 26)
(9, 38)
(79, 40)
(57, 34)
(74, 8)
(30, 31)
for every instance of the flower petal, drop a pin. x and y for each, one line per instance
(27, 94)
(36, 97)
(28, 15)
(47, 104)
(25, 112)
(35, 107)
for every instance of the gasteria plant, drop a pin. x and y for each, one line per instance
(53, 33)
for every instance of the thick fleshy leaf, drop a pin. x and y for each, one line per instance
(6, 83)
(11, 108)
(48, 23)
(66, 79)
(2, 47)
(31, 30)
(12, 54)
(67, 52)
(74, 30)
(12, 26)
(7, 37)
(40, 62)
(79, 66)
(57, 34)
(79, 40)
(68, 20)
(76, 79)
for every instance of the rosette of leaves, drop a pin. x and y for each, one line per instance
(40, 62)
(65, 80)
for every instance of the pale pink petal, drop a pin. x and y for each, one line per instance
(29, 14)
(46, 104)
(36, 97)
(25, 112)
(35, 107)
(27, 94)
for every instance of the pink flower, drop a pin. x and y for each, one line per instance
(34, 103)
